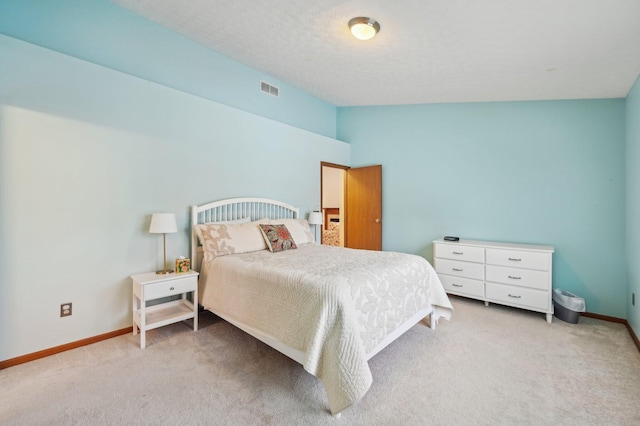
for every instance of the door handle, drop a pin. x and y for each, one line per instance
(378, 220)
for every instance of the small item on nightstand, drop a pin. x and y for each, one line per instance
(182, 264)
(449, 238)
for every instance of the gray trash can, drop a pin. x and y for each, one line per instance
(567, 306)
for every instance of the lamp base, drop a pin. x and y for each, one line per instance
(164, 272)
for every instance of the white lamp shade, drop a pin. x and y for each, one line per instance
(315, 218)
(163, 223)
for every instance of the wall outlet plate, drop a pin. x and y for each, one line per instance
(65, 309)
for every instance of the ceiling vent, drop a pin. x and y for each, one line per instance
(269, 89)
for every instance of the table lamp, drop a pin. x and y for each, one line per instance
(163, 223)
(315, 219)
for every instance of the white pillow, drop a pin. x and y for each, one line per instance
(223, 239)
(227, 222)
(298, 228)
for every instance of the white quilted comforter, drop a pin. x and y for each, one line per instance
(333, 304)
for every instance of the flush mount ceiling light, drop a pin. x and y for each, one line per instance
(364, 28)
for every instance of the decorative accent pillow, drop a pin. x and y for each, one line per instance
(298, 228)
(220, 240)
(277, 237)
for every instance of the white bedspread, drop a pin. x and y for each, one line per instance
(333, 304)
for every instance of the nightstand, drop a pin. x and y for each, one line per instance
(152, 286)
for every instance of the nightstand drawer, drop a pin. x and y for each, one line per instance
(518, 277)
(460, 269)
(459, 252)
(462, 286)
(519, 259)
(518, 296)
(169, 288)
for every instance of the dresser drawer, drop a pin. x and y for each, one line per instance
(460, 269)
(518, 296)
(519, 259)
(169, 288)
(459, 252)
(518, 277)
(462, 286)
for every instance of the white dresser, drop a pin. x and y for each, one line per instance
(510, 274)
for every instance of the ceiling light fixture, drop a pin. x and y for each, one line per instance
(364, 28)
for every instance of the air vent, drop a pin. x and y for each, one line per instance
(269, 89)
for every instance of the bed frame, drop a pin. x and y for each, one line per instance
(260, 208)
(234, 209)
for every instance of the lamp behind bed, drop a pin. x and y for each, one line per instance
(315, 219)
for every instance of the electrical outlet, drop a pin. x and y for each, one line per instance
(65, 310)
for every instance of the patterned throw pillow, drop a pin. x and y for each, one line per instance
(298, 228)
(277, 237)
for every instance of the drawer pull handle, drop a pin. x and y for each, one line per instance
(515, 297)
(457, 285)
(515, 259)
(172, 288)
(457, 269)
(458, 252)
(515, 278)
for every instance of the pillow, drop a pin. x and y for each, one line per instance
(298, 228)
(227, 222)
(277, 237)
(223, 239)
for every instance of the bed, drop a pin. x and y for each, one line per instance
(331, 320)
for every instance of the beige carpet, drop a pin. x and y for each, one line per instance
(492, 365)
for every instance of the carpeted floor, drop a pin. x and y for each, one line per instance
(488, 365)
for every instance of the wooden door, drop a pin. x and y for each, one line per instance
(363, 208)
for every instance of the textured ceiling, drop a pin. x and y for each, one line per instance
(427, 51)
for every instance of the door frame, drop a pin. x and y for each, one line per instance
(342, 213)
(366, 238)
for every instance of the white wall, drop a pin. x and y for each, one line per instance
(332, 187)
(86, 155)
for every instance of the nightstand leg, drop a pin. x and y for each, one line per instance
(195, 309)
(143, 324)
(135, 304)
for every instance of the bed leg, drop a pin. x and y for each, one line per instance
(432, 320)
(337, 416)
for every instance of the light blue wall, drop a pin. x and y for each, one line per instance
(533, 172)
(633, 203)
(86, 155)
(107, 34)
